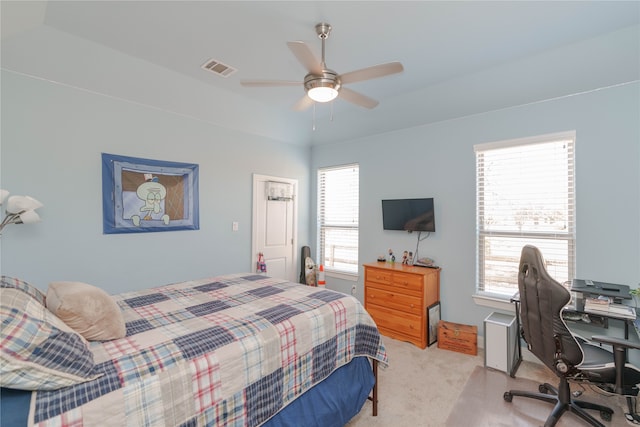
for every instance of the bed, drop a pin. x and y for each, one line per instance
(234, 350)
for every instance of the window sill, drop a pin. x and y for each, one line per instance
(351, 277)
(495, 302)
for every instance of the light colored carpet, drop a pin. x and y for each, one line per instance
(422, 387)
(419, 387)
(482, 396)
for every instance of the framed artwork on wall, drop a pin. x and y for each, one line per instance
(433, 317)
(145, 195)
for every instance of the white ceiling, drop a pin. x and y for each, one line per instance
(460, 58)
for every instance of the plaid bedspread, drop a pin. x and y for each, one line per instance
(225, 351)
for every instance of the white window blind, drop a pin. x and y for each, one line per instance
(338, 211)
(524, 195)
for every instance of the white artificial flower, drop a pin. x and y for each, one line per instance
(29, 217)
(17, 204)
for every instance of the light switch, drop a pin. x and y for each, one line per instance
(234, 225)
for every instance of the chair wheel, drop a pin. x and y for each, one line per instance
(606, 416)
(543, 389)
(508, 397)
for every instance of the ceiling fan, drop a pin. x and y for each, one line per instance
(322, 84)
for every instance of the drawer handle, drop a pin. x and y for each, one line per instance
(412, 305)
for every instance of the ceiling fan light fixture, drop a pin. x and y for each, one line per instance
(322, 93)
(322, 87)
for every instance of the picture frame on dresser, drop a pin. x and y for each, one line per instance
(433, 317)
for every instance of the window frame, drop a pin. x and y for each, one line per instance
(482, 233)
(322, 226)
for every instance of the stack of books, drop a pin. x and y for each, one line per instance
(597, 304)
(604, 306)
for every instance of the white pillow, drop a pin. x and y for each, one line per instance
(88, 310)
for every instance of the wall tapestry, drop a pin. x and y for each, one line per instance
(143, 195)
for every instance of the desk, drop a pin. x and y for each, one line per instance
(592, 289)
(582, 328)
(597, 318)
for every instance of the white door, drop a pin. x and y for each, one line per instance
(274, 225)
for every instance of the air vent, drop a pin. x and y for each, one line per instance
(217, 67)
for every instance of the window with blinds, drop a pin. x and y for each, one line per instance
(524, 195)
(338, 212)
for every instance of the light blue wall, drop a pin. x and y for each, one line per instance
(438, 161)
(52, 137)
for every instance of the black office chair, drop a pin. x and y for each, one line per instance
(570, 358)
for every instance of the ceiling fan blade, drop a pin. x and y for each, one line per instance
(371, 72)
(268, 83)
(357, 98)
(303, 103)
(305, 56)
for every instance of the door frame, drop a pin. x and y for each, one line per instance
(254, 244)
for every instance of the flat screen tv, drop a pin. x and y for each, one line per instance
(408, 215)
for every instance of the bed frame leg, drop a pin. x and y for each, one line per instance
(374, 397)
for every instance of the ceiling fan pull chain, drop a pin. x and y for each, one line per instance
(331, 115)
(313, 125)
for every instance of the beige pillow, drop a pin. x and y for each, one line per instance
(88, 310)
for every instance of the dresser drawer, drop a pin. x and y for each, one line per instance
(396, 321)
(410, 282)
(378, 276)
(394, 299)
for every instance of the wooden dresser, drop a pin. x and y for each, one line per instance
(397, 297)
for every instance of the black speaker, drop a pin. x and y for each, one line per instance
(304, 253)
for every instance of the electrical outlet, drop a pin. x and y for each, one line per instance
(353, 290)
